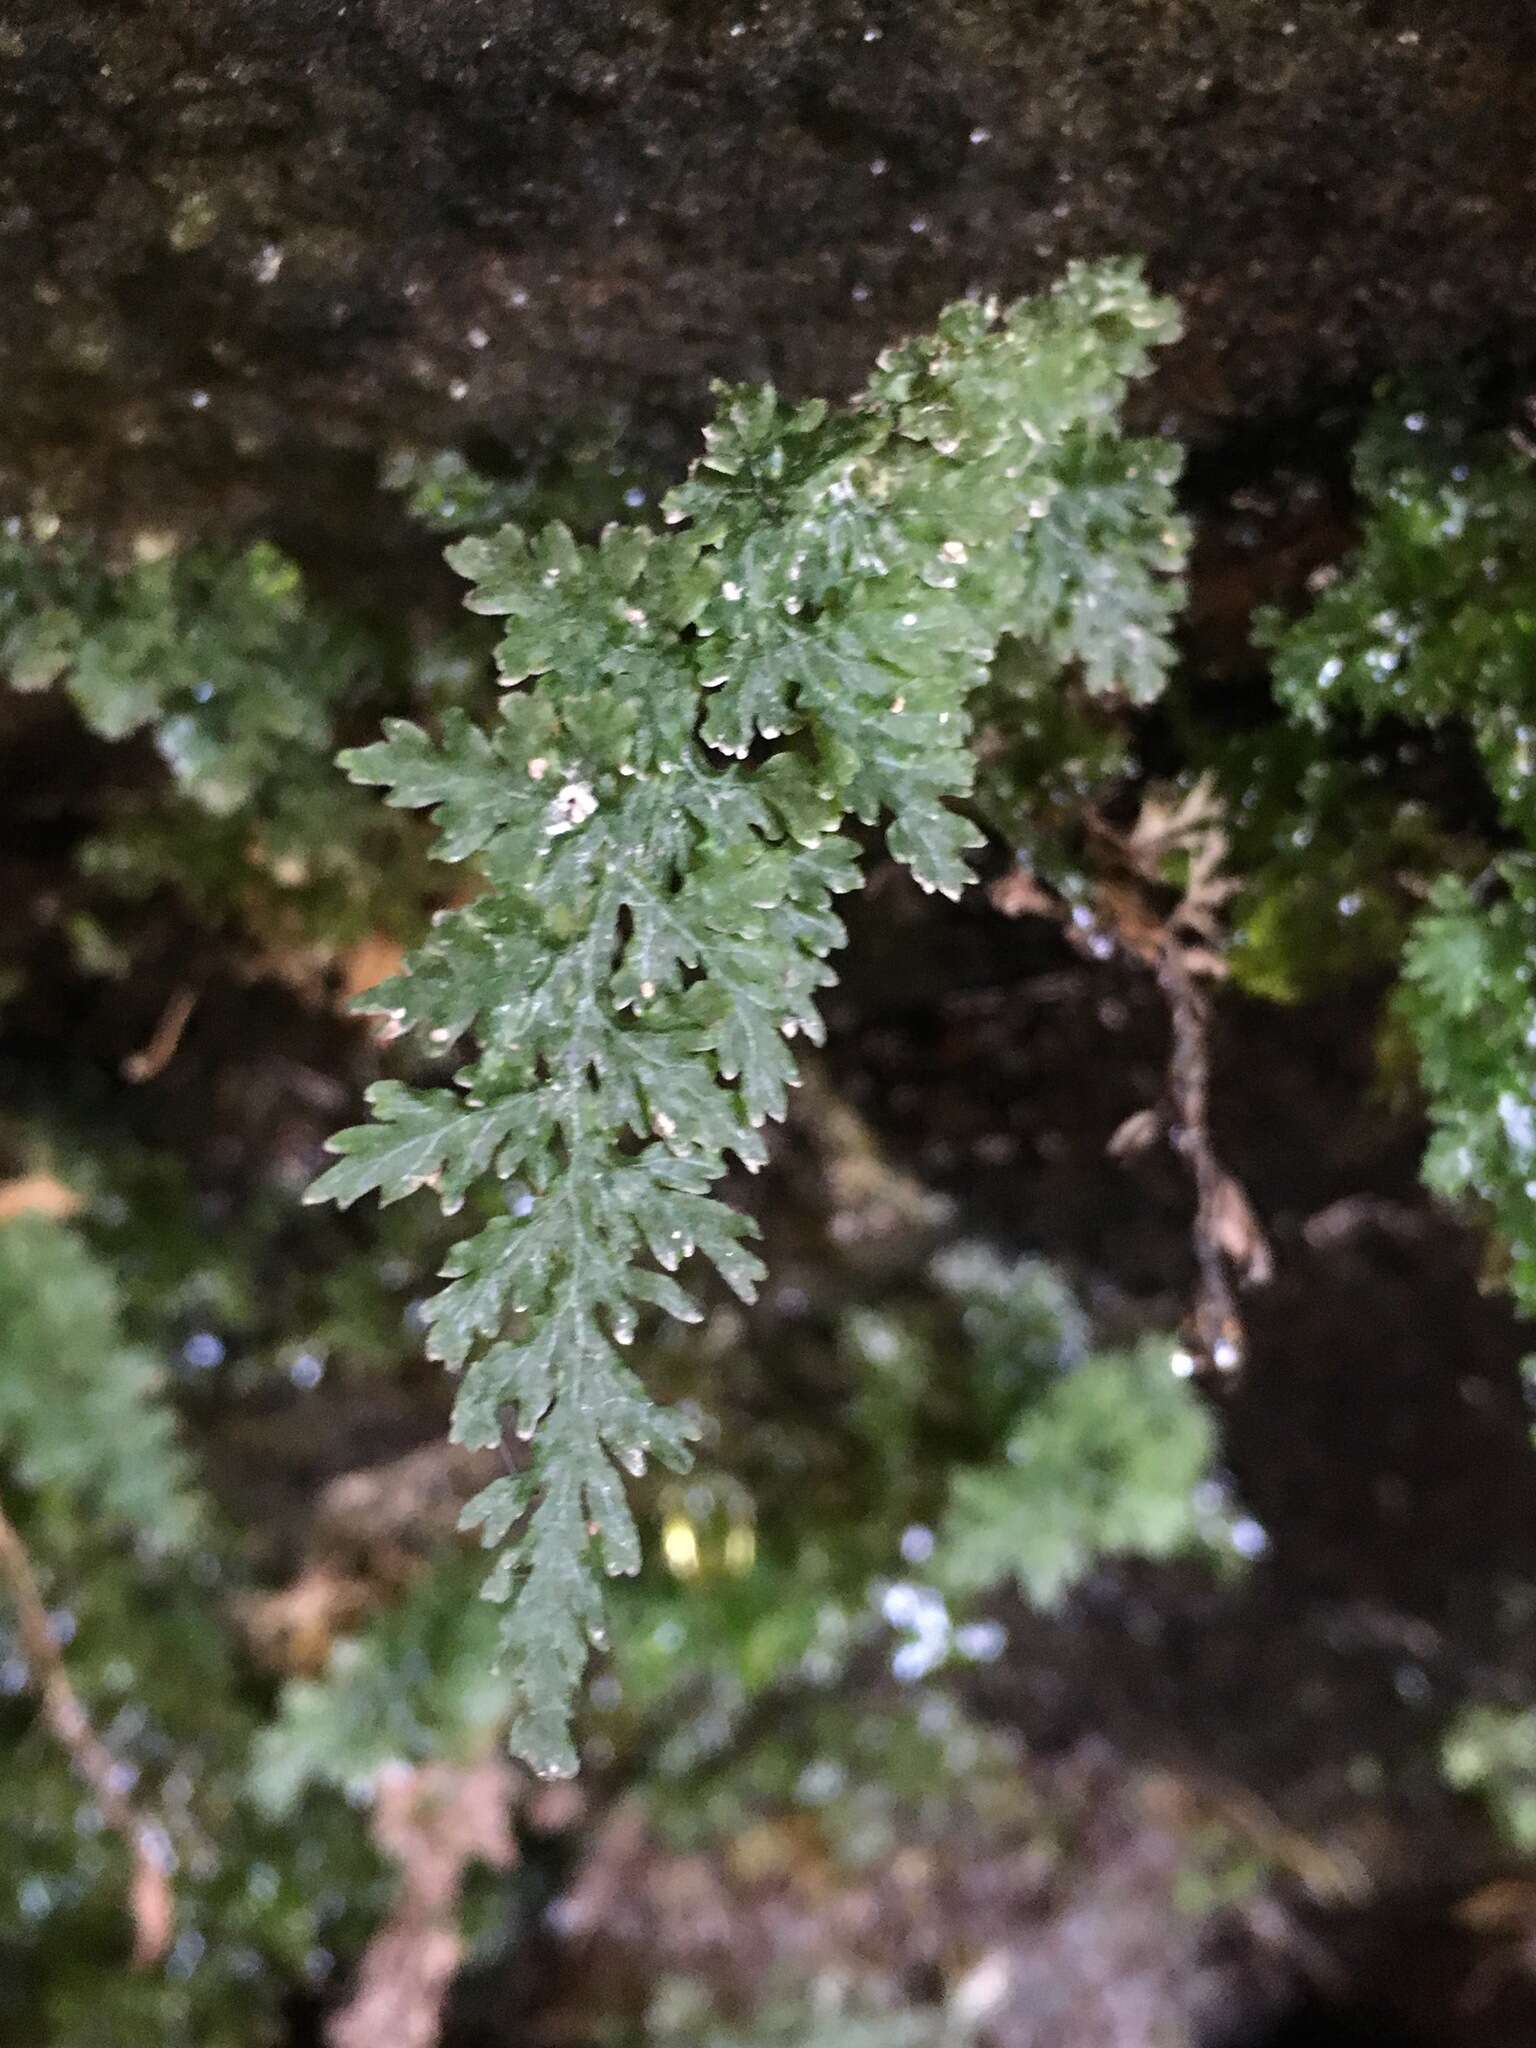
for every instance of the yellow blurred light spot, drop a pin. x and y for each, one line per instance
(680, 1547)
(740, 1548)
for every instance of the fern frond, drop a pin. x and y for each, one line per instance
(657, 818)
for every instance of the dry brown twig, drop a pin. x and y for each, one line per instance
(1182, 946)
(152, 1059)
(432, 1821)
(152, 1901)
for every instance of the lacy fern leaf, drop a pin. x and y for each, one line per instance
(657, 817)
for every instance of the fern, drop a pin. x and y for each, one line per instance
(657, 819)
(236, 672)
(80, 1408)
(239, 675)
(1432, 620)
(1431, 623)
(1108, 1461)
(1468, 999)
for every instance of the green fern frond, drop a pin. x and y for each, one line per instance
(657, 818)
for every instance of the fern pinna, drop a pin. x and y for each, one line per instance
(657, 818)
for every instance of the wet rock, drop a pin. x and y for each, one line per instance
(246, 240)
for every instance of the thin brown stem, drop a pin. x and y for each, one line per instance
(1218, 1326)
(1181, 946)
(65, 1717)
(153, 1059)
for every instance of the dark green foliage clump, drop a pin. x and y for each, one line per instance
(1491, 1751)
(1433, 622)
(1332, 852)
(1470, 1003)
(236, 672)
(244, 680)
(124, 1542)
(261, 1907)
(82, 1413)
(1432, 619)
(657, 819)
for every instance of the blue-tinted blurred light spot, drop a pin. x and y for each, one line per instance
(916, 1659)
(901, 1605)
(203, 1351)
(920, 1612)
(306, 1370)
(187, 1953)
(916, 1544)
(982, 1642)
(634, 497)
(1411, 1682)
(1249, 1538)
(122, 1778)
(821, 1781)
(34, 1898)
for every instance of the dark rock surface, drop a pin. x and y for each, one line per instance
(245, 244)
